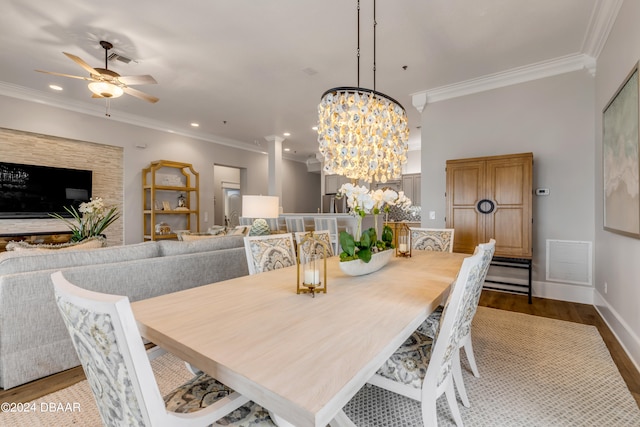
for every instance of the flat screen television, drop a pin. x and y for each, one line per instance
(30, 191)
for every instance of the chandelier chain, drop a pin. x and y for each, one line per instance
(358, 51)
(375, 24)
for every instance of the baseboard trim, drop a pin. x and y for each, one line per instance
(629, 341)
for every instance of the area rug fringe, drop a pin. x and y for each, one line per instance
(533, 372)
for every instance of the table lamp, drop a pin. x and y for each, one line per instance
(260, 207)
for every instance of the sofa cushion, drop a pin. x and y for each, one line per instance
(24, 261)
(213, 243)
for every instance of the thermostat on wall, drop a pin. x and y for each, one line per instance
(542, 191)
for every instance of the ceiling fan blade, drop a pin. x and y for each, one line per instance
(137, 80)
(66, 75)
(81, 63)
(139, 94)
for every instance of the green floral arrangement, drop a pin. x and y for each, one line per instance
(362, 201)
(368, 244)
(90, 219)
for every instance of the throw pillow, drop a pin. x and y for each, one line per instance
(90, 243)
(190, 237)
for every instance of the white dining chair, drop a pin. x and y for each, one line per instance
(245, 220)
(305, 248)
(274, 224)
(421, 369)
(430, 326)
(331, 224)
(266, 253)
(294, 224)
(432, 239)
(106, 338)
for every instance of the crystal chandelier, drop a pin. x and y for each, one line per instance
(362, 133)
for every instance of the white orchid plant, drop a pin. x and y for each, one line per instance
(91, 219)
(362, 201)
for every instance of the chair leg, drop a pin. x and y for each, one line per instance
(429, 412)
(456, 367)
(468, 350)
(450, 393)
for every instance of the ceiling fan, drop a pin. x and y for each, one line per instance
(109, 84)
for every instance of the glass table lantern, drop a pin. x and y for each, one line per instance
(312, 265)
(403, 242)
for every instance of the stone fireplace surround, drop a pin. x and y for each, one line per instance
(105, 161)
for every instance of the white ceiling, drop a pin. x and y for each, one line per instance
(248, 69)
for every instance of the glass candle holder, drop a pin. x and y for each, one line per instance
(311, 270)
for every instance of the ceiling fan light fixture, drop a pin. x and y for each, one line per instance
(105, 90)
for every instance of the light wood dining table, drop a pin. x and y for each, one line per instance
(302, 358)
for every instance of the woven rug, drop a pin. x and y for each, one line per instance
(533, 372)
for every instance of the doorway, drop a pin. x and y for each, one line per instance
(231, 205)
(227, 195)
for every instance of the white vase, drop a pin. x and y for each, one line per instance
(358, 267)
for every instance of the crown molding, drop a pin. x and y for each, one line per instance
(603, 16)
(601, 22)
(39, 97)
(539, 70)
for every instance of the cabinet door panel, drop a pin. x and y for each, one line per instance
(407, 187)
(468, 230)
(510, 186)
(506, 183)
(331, 184)
(508, 230)
(466, 183)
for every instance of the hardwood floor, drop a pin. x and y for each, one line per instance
(572, 312)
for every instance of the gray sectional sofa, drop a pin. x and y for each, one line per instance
(34, 342)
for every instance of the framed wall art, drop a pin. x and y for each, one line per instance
(620, 161)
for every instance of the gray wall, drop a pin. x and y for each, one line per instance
(616, 256)
(553, 119)
(305, 186)
(35, 117)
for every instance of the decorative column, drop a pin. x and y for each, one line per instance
(275, 165)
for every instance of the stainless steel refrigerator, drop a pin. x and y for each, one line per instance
(331, 204)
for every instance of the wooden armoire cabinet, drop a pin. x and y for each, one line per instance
(491, 197)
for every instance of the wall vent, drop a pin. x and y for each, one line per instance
(569, 261)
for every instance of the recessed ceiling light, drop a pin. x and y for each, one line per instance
(55, 87)
(195, 125)
(286, 134)
(314, 128)
(287, 149)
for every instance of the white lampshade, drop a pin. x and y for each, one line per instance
(106, 90)
(260, 206)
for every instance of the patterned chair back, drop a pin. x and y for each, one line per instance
(295, 224)
(266, 253)
(432, 239)
(331, 224)
(453, 315)
(105, 336)
(305, 249)
(487, 250)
